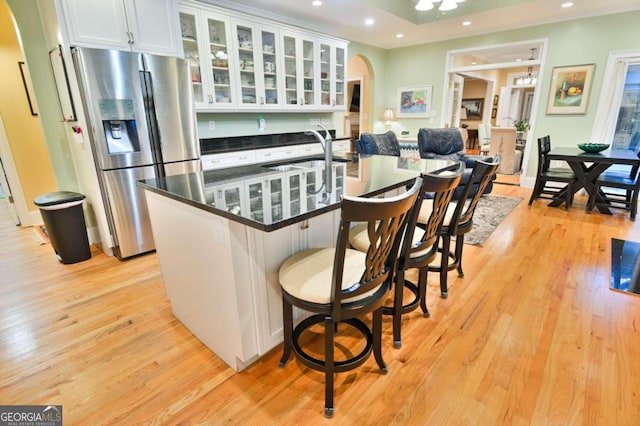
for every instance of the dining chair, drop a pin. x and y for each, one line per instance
(458, 220)
(419, 245)
(378, 144)
(547, 174)
(503, 142)
(626, 180)
(338, 284)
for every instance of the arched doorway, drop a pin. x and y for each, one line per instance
(359, 99)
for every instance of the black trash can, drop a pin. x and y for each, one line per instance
(64, 220)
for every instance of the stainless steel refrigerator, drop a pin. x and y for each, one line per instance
(142, 125)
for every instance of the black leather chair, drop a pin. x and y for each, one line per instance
(339, 284)
(447, 144)
(378, 144)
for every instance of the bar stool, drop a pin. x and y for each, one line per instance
(338, 284)
(459, 220)
(419, 245)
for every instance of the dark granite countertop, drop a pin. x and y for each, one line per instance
(262, 195)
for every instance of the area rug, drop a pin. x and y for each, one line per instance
(491, 210)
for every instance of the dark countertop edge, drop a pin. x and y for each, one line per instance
(259, 226)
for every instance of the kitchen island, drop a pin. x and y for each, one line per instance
(221, 236)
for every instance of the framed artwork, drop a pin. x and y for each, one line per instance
(414, 101)
(495, 99)
(28, 88)
(494, 112)
(570, 89)
(473, 107)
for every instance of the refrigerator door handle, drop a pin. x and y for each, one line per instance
(146, 83)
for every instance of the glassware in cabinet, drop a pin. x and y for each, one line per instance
(341, 54)
(246, 62)
(290, 70)
(270, 67)
(308, 69)
(219, 51)
(191, 52)
(325, 75)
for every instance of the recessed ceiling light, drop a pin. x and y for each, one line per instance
(466, 23)
(316, 3)
(474, 63)
(399, 35)
(369, 21)
(519, 60)
(567, 4)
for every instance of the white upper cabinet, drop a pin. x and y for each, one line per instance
(149, 26)
(244, 63)
(257, 47)
(206, 40)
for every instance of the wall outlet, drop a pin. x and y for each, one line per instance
(212, 125)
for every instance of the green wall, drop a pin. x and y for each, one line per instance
(582, 41)
(36, 52)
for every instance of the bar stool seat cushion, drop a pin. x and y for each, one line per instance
(359, 240)
(307, 274)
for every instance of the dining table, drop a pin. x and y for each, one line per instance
(587, 166)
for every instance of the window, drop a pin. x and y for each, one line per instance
(627, 133)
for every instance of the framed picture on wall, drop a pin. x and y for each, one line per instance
(473, 107)
(570, 89)
(414, 101)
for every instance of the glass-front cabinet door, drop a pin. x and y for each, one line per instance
(332, 75)
(205, 40)
(295, 193)
(189, 27)
(326, 71)
(300, 71)
(257, 48)
(219, 65)
(256, 201)
(290, 69)
(276, 198)
(339, 83)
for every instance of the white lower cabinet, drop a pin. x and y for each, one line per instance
(268, 250)
(264, 155)
(221, 276)
(228, 159)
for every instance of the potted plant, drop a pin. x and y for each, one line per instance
(521, 129)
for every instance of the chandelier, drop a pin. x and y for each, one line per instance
(529, 78)
(445, 6)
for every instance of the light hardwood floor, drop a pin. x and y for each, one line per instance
(531, 335)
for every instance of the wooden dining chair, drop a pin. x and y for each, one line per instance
(419, 244)
(339, 284)
(626, 180)
(547, 175)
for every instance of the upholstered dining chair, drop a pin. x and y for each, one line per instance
(503, 142)
(628, 181)
(419, 245)
(547, 174)
(339, 284)
(378, 144)
(458, 220)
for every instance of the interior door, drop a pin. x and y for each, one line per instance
(454, 100)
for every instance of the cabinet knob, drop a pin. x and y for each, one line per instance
(131, 40)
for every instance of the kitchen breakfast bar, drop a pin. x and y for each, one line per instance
(221, 236)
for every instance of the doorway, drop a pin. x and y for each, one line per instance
(496, 63)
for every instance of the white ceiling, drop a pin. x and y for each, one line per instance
(345, 18)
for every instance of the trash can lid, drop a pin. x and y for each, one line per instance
(55, 198)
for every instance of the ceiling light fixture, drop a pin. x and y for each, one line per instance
(466, 23)
(446, 5)
(369, 21)
(530, 78)
(316, 3)
(567, 4)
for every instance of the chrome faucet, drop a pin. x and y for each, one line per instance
(326, 143)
